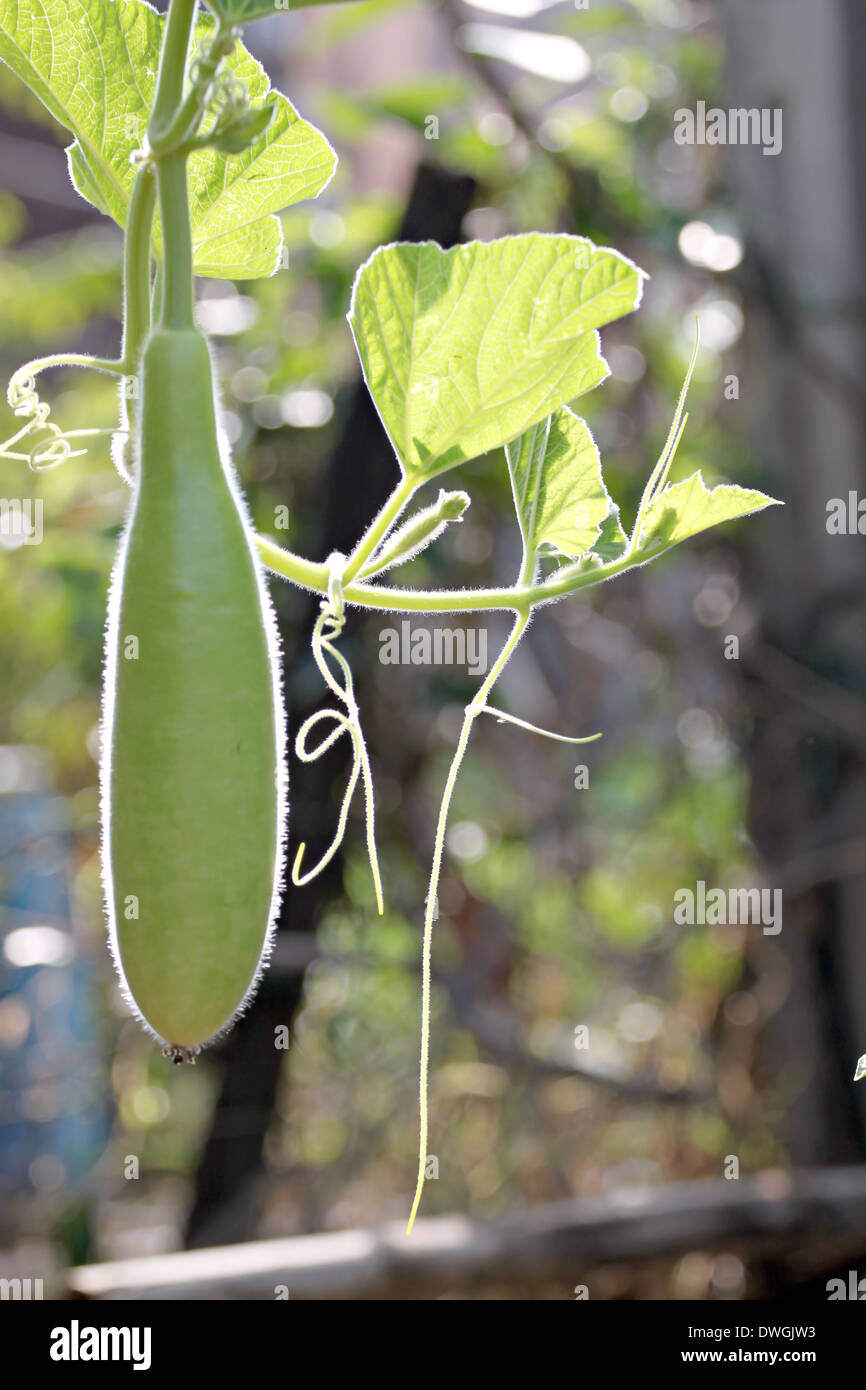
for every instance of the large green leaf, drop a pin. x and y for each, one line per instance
(93, 65)
(80, 57)
(685, 508)
(464, 349)
(558, 487)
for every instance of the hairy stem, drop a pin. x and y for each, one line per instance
(309, 575)
(186, 120)
(379, 528)
(71, 359)
(172, 67)
(176, 310)
(177, 283)
(136, 265)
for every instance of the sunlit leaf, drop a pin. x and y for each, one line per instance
(558, 488)
(464, 349)
(685, 508)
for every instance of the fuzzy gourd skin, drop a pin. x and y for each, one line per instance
(192, 781)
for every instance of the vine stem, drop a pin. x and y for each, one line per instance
(177, 286)
(72, 359)
(172, 67)
(136, 265)
(185, 120)
(176, 310)
(314, 577)
(521, 619)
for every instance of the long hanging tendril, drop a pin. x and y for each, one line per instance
(329, 625)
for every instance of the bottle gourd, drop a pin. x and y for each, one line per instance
(193, 774)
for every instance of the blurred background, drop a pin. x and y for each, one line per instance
(720, 1059)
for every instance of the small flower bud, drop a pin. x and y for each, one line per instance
(418, 532)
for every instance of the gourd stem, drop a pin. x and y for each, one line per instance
(176, 309)
(172, 66)
(186, 120)
(177, 284)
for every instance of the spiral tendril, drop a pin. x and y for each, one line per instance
(55, 448)
(328, 627)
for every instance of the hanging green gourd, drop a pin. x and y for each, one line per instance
(193, 782)
(193, 797)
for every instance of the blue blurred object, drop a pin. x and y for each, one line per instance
(54, 1111)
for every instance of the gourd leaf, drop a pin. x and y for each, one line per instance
(93, 65)
(683, 509)
(612, 539)
(559, 491)
(463, 350)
